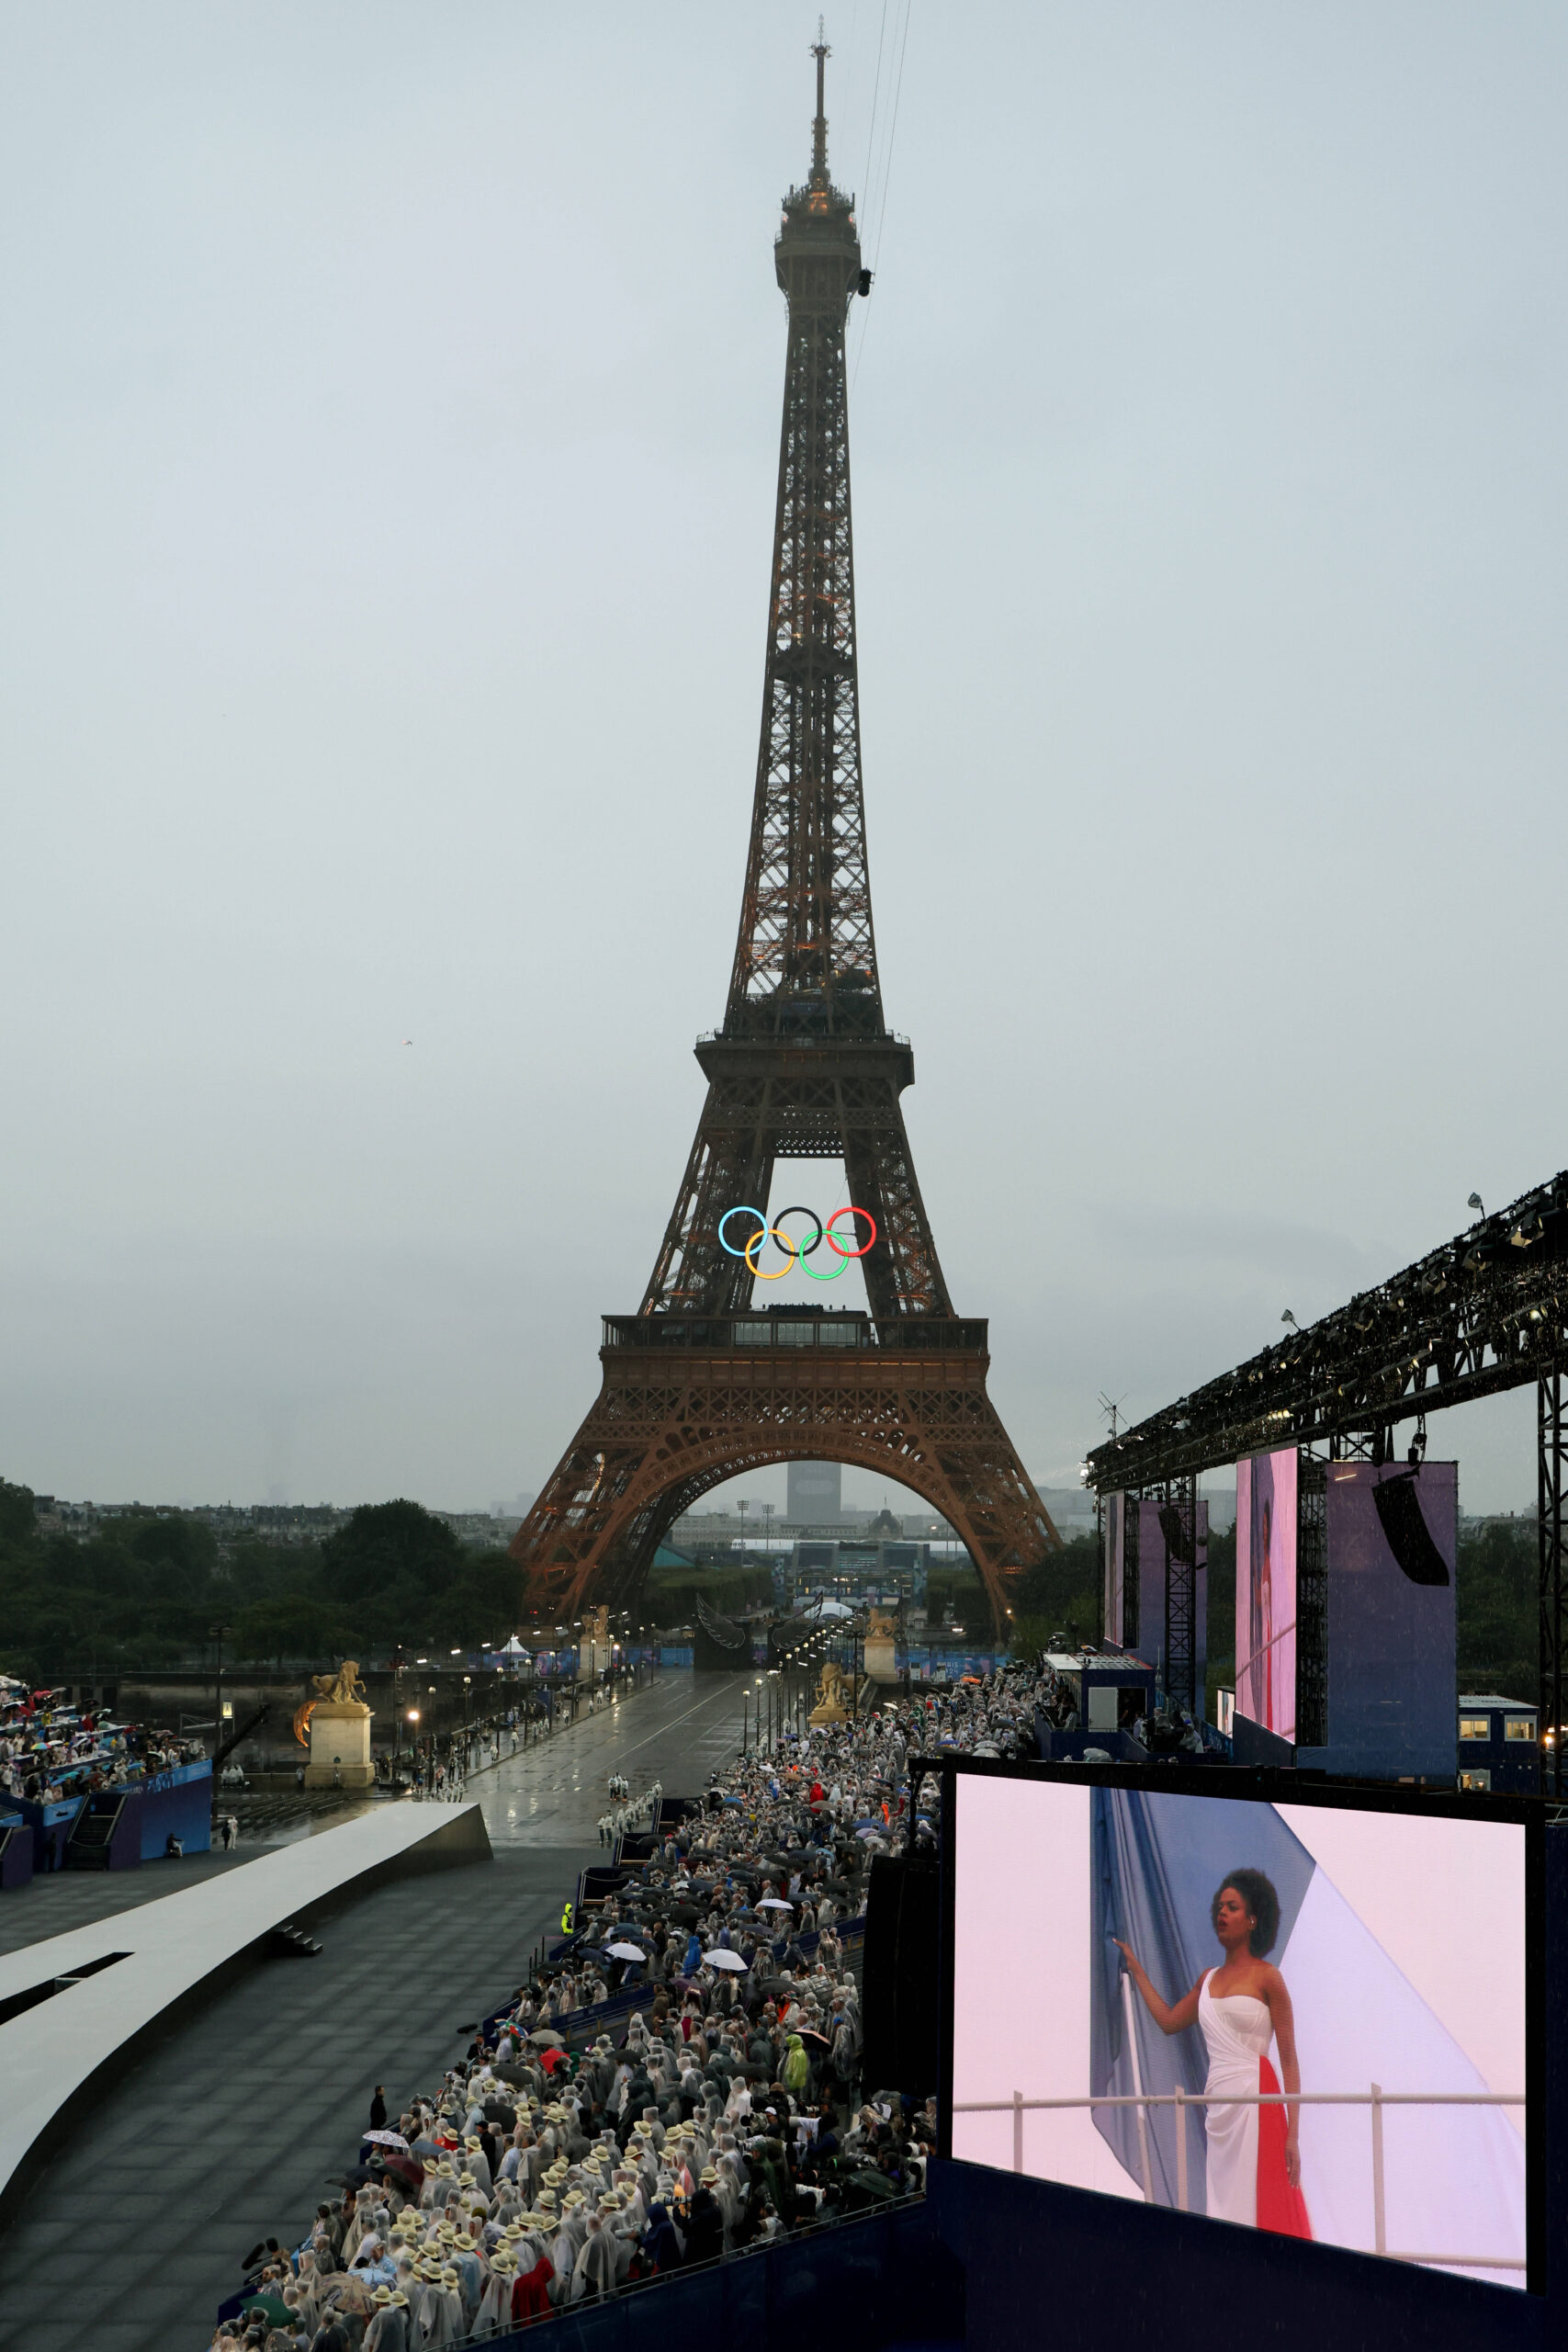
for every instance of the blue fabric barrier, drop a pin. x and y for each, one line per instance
(882, 2280)
(51, 1825)
(176, 1803)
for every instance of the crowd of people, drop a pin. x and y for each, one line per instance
(50, 1752)
(681, 2080)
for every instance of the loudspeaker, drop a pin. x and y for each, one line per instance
(900, 1993)
(1405, 1530)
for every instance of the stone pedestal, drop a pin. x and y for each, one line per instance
(882, 1657)
(340, 1746)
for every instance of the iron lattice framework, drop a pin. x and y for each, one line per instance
(1487, 1312)
(803, 1066)
(1179, 1527)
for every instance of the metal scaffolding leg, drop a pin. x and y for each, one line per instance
(1181, 1592)
(1549, 1494)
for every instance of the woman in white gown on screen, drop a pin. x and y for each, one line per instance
(1254, 2165)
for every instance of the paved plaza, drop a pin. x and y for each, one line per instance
(230, 2127)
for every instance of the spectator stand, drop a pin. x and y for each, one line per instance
(16, 1851)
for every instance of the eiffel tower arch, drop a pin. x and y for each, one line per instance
(702, 1384)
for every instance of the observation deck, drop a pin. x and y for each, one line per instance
(764, 1330)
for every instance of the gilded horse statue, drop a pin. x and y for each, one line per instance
(342, 1689)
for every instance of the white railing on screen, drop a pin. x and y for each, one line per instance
(1375, 2098)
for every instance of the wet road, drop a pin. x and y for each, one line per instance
(675, 1732)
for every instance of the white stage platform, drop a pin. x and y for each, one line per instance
(52, 2051)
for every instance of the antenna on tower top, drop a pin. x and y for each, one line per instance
(822, 52)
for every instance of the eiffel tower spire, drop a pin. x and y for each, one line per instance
(803, 1066)
(805, 967)
(806, 959)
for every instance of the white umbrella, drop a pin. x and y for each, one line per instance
(724, 1959)
(388, 2140)
(774, 1903)
(625, 1952)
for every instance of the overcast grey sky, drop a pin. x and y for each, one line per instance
(391, 408)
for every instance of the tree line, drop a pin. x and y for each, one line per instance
(148, 1590)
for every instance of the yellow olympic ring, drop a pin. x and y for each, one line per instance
(769, 1233)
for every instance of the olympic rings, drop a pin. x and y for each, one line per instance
(795, 1253)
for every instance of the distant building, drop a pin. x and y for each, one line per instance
(1071, 1508)
(815, 1494)
(1497, 1744)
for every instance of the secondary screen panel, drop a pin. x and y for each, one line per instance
(1266, 1591)
(1396, 1956)
(1392, 1535)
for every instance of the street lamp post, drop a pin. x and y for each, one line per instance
(219, 1633)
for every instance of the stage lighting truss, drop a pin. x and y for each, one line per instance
(1488, 1311)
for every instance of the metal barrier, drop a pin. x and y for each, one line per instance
(824, 2236)
(1375, 2098)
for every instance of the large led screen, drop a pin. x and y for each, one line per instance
(1153, 1941)
(1392, 1535)
(1266, 1591)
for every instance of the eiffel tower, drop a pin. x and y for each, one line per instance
(701, 1385)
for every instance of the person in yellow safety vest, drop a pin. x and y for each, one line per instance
(566, 1920)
